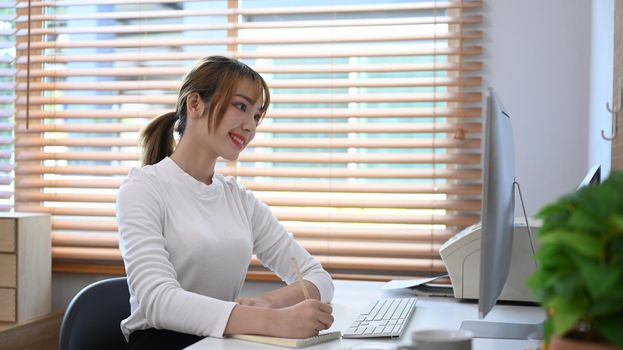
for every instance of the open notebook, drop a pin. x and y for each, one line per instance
(290, 342)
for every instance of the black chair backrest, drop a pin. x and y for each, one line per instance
(93, 316)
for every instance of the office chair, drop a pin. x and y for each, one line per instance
(93, 316)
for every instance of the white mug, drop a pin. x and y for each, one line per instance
(442, 339)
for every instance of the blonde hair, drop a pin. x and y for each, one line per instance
(215, 79)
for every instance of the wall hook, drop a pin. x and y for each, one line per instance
(614, 130)
(614, 111)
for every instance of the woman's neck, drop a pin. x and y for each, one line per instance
(200, 165)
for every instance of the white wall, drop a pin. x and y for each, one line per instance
(602, 50)
(537, 58)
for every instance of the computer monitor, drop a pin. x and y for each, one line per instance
(497, 221)
(498, 203)
(592, 177)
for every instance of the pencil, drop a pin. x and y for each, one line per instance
(299, 277)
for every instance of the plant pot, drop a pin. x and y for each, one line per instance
(559, 343)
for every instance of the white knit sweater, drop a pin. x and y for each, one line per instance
(187, 246)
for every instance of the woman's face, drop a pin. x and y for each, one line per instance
(237, 128)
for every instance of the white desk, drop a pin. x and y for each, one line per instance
(352, 296)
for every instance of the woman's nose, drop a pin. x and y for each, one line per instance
(249, 124)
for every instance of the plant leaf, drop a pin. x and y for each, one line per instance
(537, 281)
(610, 327)
(585, 221)
(599, 279)
(582, 243)
(611, 303)
(567, 312)
(551, 256)
(615, 250)
(548, 330)
(617, 222)
(567, 284)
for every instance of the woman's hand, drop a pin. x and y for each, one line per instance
(301, 320)
(254, 301)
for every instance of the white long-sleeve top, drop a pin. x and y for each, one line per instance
(187, 247)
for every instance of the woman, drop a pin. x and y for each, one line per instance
(187, 234)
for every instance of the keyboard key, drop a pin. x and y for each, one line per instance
(369, 308)
(399, 309)
(392, 309)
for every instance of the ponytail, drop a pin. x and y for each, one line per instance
(157, 138)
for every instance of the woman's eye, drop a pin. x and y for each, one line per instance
(242, 107)
(257, 118)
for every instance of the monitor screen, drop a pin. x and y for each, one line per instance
(498, 203)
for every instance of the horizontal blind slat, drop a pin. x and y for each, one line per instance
(182, 42)
(289, 216)
(302, 201)
(297, 10)
(290, 83)
(277, 98)
(311, 53)
(334, 187)
(83, 235)
(332, 248)
(277, 143)
(363, 158)
(335, 127)
(292, 69)
(337, 262)
(270, 172)
(272, 113)
(466, 19)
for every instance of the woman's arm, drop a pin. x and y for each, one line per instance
(283, 312)
(301, 320)
(275, 247)
(281, 297)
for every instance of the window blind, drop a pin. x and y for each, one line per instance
(7, 106)
(369, 154)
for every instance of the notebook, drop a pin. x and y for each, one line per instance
(290, 342)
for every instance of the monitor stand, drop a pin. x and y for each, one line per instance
(501, 330)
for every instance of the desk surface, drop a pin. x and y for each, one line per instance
(352, 296)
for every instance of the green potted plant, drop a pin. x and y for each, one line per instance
(579, 278)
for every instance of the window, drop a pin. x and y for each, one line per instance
(369, 153)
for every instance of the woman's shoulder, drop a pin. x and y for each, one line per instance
(147, 176)
(147, 172)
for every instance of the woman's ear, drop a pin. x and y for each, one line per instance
(194, 105)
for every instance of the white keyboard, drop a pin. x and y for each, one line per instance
(387, 317)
